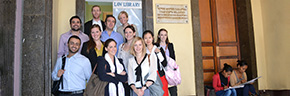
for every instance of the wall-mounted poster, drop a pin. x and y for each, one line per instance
(134, 11)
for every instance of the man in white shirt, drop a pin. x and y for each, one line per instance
(77, 70)
(96, 12)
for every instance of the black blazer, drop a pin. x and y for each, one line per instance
(171, 50)
(88, 26)
(92, 55)
(104, 67)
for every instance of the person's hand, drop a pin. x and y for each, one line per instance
(112, 74)
(123, 73)
(226, 87)
(140, 92)
(60, 72)
(243, 81)
(157, 50)
(143, 88)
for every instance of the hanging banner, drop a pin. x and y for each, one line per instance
(127, 4)
(134, 10)
(166, 13)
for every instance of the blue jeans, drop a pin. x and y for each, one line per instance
(146, 93)
(230, 92)
(245, 91)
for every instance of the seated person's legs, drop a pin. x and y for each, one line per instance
(234, 93)
(247, 88)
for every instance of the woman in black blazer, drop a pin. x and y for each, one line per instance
(94, 47)
(163, 42)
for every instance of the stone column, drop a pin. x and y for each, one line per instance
(7, 28)
(198, 66)
(36, 48)
(147, 12)
(80, 11)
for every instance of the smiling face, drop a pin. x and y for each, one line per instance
(129, 34)
(96, 33)
(74, 45)
(123, 19)
(75, 24)
(163, 36)
(111, 48)
(110, 23)
(138, 47)
(148, 39)
(96, 12)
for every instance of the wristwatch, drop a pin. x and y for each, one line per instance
(145, 86)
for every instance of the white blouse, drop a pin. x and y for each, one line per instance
(145, 69)
(153, 55)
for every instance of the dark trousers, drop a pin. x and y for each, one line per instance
(245, 91)
(173, 91)
(127, 89)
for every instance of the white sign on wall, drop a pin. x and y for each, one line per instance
(166, 13)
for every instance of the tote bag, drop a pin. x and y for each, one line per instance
(172, 72)
(156, 88)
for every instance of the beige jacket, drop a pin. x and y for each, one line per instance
(234, 78)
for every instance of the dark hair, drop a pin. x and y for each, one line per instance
(95, 6)
(107, 44)
(91, 43)
(227, 68)
(74, 36)
(158, 39)
(130, 27)
(70, 20)
(110, 16)
(241, 63)
(150, 32)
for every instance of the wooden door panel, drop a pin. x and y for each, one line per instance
(227, 51)
(208, 77)
(207, 51)
(225, 21)
(230, 61)
(205, 26)
(208, 64)
(220, 43)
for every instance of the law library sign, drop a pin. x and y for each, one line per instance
(166, 13)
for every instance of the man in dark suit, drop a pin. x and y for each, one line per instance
(96, 12)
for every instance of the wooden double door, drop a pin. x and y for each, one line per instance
(219, 36)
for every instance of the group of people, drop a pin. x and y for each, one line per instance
(130, 64)
(233, 77)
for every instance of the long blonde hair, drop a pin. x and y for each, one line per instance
(132, 51)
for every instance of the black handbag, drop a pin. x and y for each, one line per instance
(55, 86)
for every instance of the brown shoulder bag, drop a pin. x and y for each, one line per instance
(95, 86)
